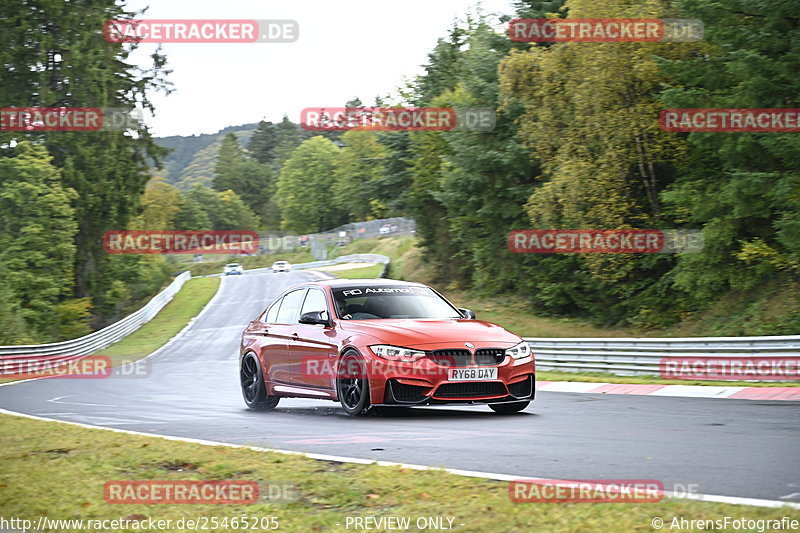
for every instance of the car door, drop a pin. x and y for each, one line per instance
(314, 348)
(278, 328)
(257, 338)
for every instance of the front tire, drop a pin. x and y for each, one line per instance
(254, 390)
(352, 385)
(508, 408)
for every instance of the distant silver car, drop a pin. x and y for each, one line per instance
(281, 266)
(233, 268)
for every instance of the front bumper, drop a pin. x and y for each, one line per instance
(426, 383)
(466, 392)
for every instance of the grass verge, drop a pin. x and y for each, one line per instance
(187, 304)
(59, 471)
(367, 272)
(599, 377)
(515, 316)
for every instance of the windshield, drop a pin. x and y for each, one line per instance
(375, 302)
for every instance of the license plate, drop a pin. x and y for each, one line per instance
(472, 374)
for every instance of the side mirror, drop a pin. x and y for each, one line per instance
(316, 317)
(467, 313)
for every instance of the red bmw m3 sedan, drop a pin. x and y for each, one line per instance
(378, 342)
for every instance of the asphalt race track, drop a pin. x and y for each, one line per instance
(725, 447)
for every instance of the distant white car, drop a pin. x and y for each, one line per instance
(386, 229)
(233, 268)
(281, 266)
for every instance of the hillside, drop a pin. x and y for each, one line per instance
(192, 157)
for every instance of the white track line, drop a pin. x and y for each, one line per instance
(733, 500)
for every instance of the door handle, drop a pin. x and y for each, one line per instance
(295, 336)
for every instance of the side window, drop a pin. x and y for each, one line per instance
(272, 314)
(315, 301)
(290, 307)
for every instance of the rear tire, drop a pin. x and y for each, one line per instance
(254, 390)
(508, 408)
(352, 385)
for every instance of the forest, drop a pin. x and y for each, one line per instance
(577, 145)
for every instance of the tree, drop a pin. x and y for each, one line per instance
(54, 54)
(288, 136)
(357, 172)
(262, 144)
(230, 155)
(742, 188)
(392, 188)
(305, 188)
(191, 215)
(13, 328)
(223, 210)
(37, 232)
(234, 213)
(470, 185)
(443, 70)
(160, 205)
(590, 120)
(252, 181)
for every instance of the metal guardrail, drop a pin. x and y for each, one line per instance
(75, 348)
(642, 357)
(619, 356)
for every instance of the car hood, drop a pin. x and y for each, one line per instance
(425, 332)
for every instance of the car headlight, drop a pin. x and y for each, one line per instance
(520, 351)
(396, 353)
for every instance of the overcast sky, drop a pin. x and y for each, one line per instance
(346, 48)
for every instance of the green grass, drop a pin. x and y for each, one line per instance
(769, 309)
(184, 306)
(367, 272)
(398, 249)
(515, 316)
(59, 471)
(192, 297)
(599, 377)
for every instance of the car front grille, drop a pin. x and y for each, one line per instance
(522, 389)
(451, 357)
(483, 357)
(489, 356)
(471, 389)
